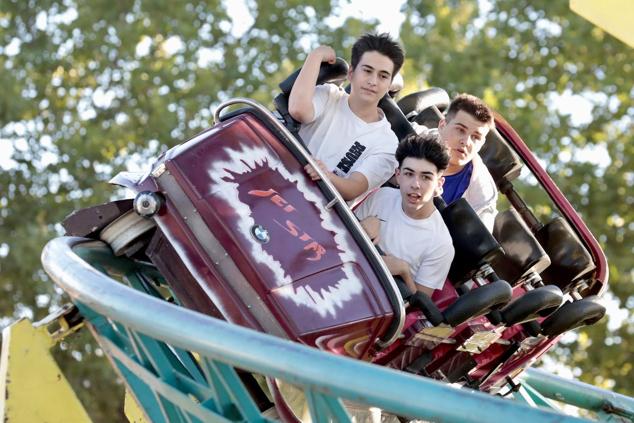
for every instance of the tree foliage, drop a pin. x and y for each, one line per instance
(94, 87)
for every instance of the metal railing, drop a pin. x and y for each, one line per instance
(180, 365)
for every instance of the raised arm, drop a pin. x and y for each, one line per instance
(300, 102)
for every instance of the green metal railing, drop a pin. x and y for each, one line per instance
(181, 365)
(607, 405)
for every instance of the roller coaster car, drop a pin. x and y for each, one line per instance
(239, 232)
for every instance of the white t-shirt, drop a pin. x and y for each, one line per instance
(345, 142)
(425, 244)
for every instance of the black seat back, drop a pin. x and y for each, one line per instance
(418, 106)
(570, 260)
(522, 252)
(335, 72)
(398, 122)
(473, 243)
(415, 103)
(503, 163)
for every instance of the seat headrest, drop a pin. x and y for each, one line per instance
(413, 104)
(472, 242)
(522, 252)
(503, 163)
(570, 260)
(335, 72)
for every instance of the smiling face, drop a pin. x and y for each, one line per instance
(418, 180)
(371, 78)
(463, 135)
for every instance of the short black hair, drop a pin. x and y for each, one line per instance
(426, 146)
(381, 43)
(472, 105)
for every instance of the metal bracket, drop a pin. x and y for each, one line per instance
(62, 322)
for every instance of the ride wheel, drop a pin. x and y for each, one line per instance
(125, 234)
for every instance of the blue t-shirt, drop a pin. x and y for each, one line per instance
(455, 185)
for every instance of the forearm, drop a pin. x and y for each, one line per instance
(300, 102)
(350, 187)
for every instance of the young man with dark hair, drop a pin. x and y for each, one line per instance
(349, 135)
(464, 128)
(405, 224)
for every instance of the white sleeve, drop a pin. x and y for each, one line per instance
(377, 168)
(482, 194)
(433, 271)
(380, 164)
(320, 99)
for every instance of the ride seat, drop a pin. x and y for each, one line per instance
(570, 260)
(523, 254)
(417, 107)
(503, 163)
(473, 243)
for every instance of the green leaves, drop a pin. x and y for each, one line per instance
(91, 88)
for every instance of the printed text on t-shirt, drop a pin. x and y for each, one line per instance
(351, 157)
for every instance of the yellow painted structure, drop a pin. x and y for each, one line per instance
(613, 16)
(32, 387)
(132, 410)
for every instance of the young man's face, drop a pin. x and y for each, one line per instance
(371, 78)
(418, 180)
(464, 135)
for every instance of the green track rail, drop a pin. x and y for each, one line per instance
(181, 365)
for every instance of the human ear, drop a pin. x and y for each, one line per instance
(439, 188)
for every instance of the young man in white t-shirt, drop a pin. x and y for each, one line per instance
(349, 135)
(404, 222)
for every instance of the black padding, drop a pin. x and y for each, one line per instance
(586, 311)
(400, 283)
(472, 242)
(413, 104)
(281, 104)
(418, 366)
(503, 163)
(91, 220)
(420, 301)
(532, 328)
(399, 123)
(568, 256)
(522, 252)
(478, 301)
(335, 72)
(439, 202)
(539, 302)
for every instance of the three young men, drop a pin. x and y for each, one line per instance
(348, 134)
